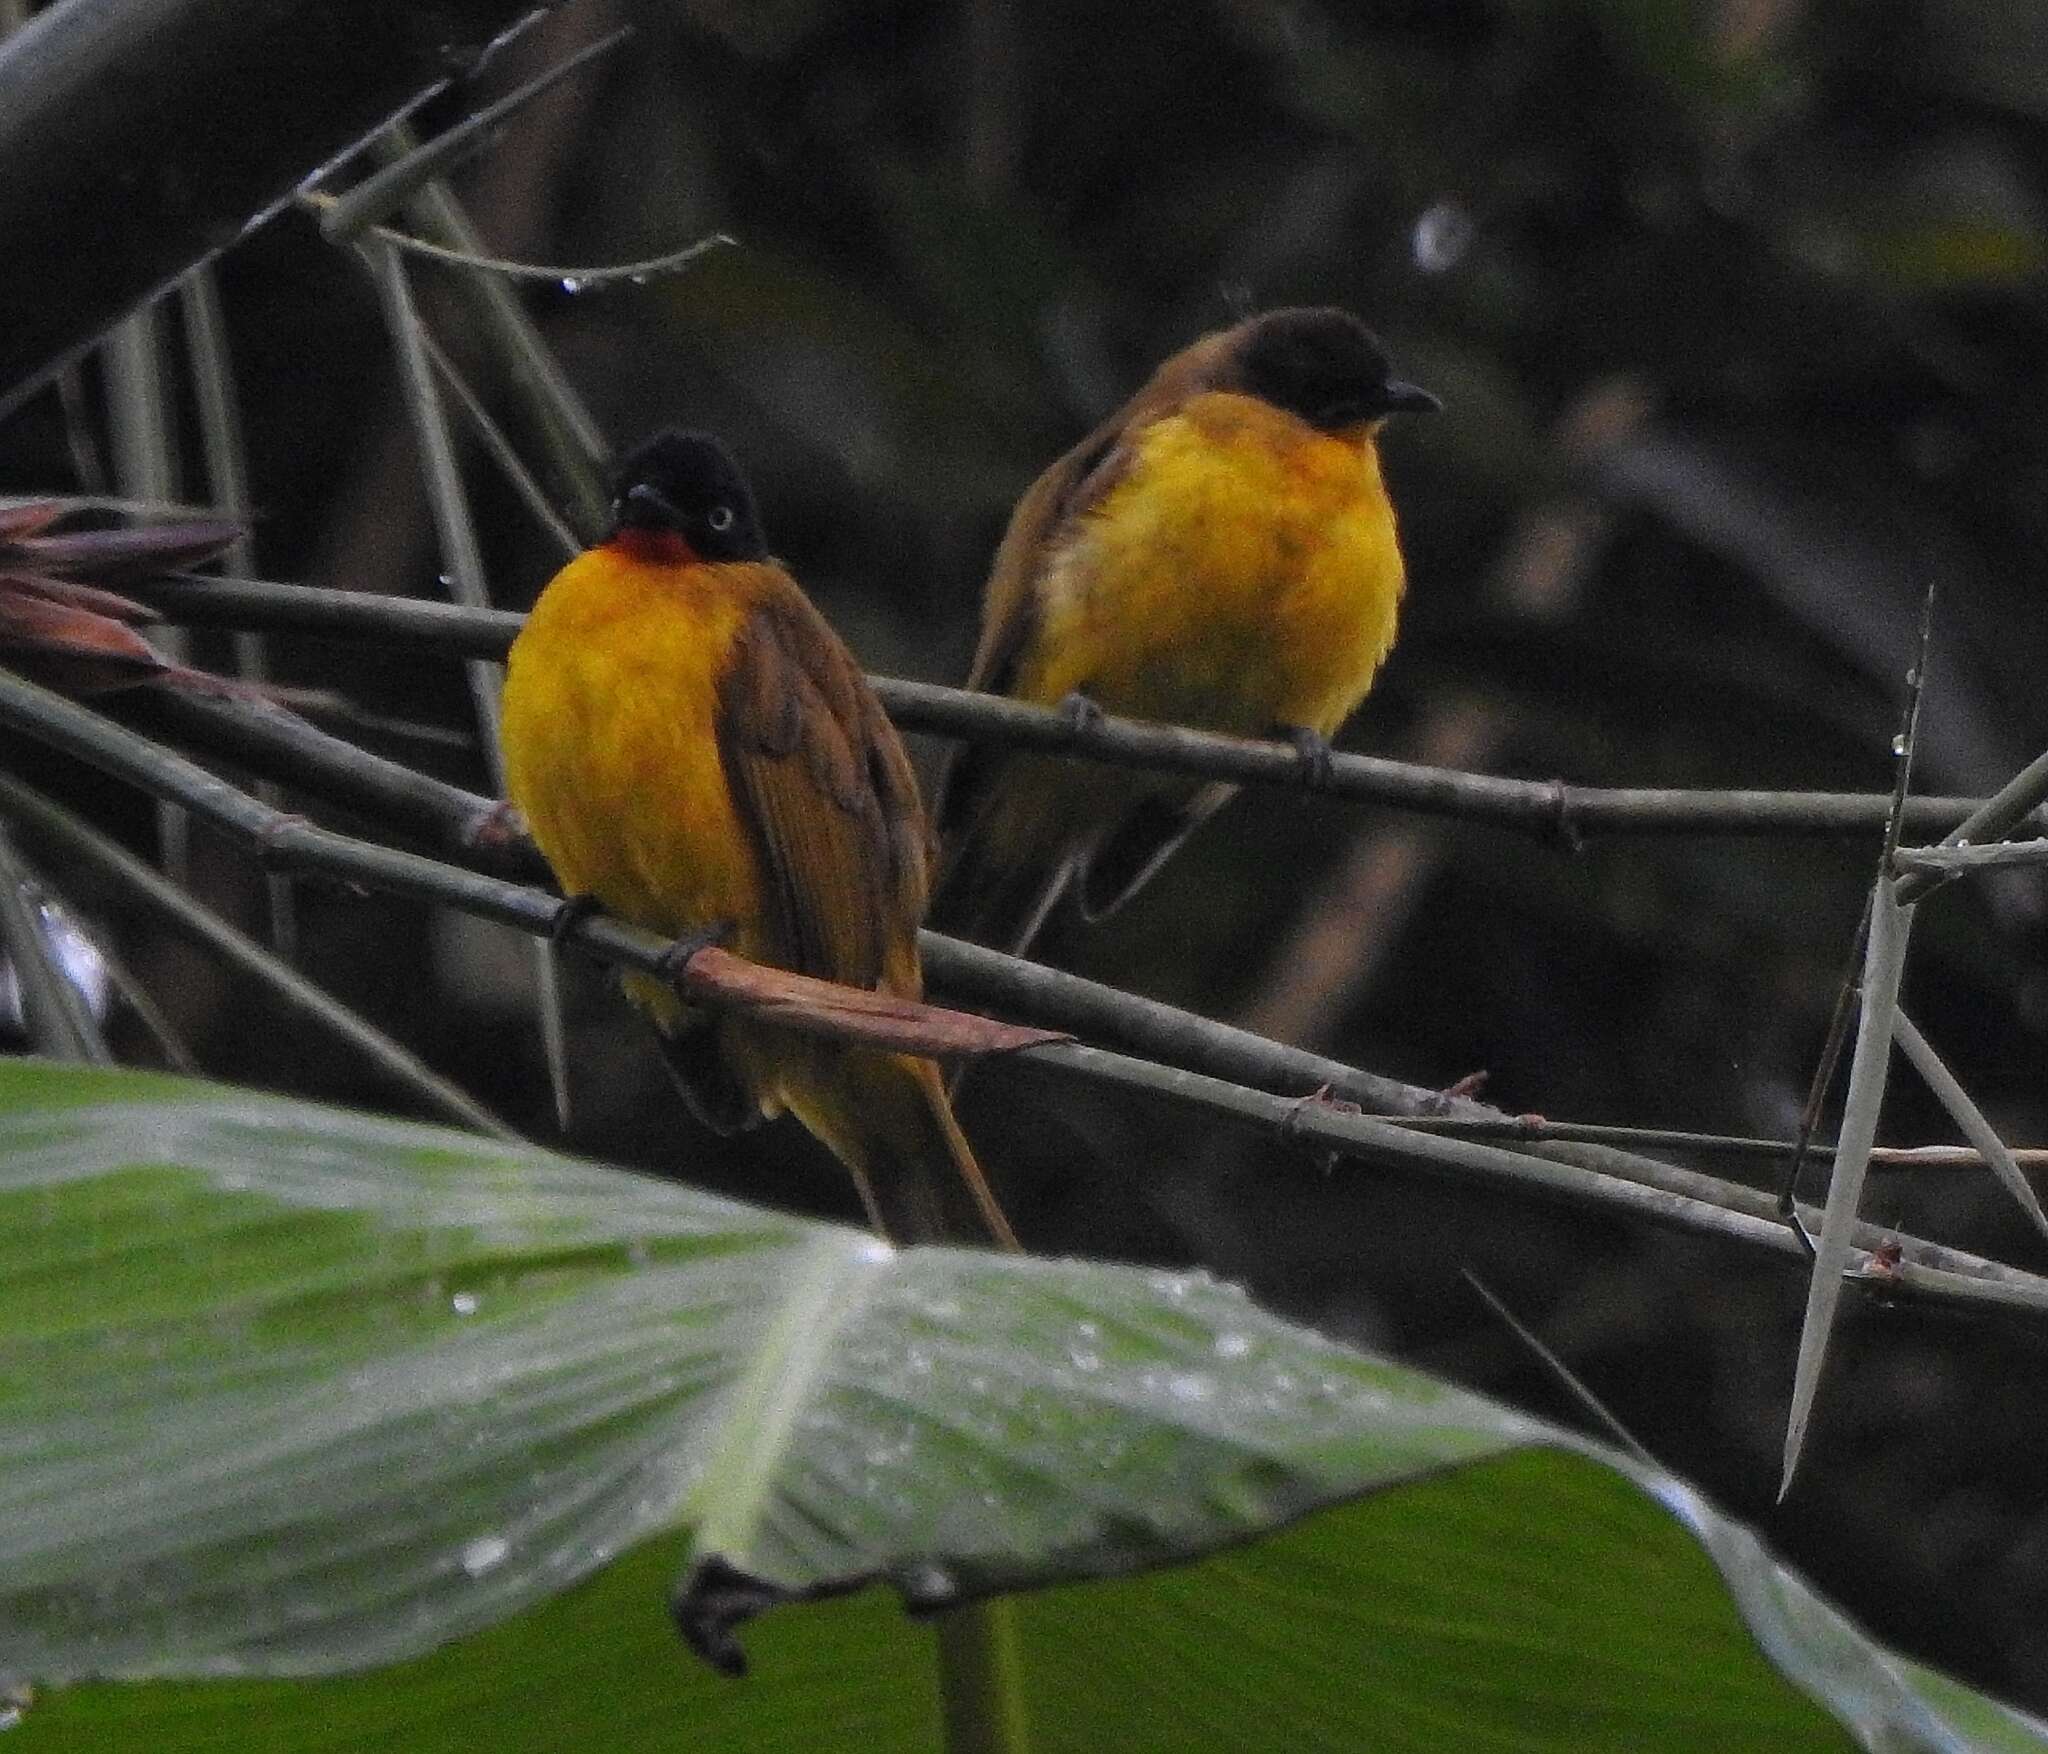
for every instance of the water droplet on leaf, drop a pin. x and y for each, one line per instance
(485, 1553)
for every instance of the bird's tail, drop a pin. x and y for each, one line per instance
(1003, 903)
(1008, 855)
(917, 1175)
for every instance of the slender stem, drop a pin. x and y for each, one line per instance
(1609, 1181)
(275, 744)
(1054, 999)
(377, 196)
(1567, 1378)
(981, 1679)
(145, 467)
(1538, 807)
(1949, 859)
(1849, 989)
(1536, 1130)
(1907, 745)
(571, 446)
(570, 276)
(227, 485)
(50, 822)
(463, 563)
(53, 1010)
(2014, 803)
(493, 438)
(177, 1053)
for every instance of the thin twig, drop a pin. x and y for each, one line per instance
(1885, 932)
(1538, 1130)
(572, 451)
(380, 194)
(1948, 1090)
(1657, 1193)
(145, 468)
(227, 483)
(52, 823)
(1941, 861)
(271, 743)
(2014, 803)
(176, 1052)
(1849, 988)
(462, 564)
(494, 440)
(1535, 806)
(568, 276)
(1567, 1378)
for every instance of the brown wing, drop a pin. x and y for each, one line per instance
(821, 780)
(1045, 517)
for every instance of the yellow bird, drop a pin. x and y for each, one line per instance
(1220, 553)
(695, 749)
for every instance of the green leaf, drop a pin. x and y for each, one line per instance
(285, 1391)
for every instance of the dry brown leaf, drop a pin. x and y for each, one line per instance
(815, 1007)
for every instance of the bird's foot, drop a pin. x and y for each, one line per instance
(1080, 712)
(1312, 752)
(676, 958)
(571, 913)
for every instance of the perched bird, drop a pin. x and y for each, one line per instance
(695, 749)
(1220, 553)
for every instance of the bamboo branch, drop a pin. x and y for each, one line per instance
(29, 810)
(226, 453)
(1550, 809)
(1656, 1193)
(377, 196)
(271, 743)
(561, 431)
(140, 138)
(462, 564)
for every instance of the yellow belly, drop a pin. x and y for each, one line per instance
(1244, 574)
(611, 752)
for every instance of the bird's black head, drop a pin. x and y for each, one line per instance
(1324, 365)
(686, 484)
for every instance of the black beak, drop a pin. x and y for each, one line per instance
(1405, 398)
(651, 501)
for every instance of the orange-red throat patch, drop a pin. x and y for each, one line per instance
(666, 547)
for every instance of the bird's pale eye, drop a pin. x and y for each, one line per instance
(720, 518)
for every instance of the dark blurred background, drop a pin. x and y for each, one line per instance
(1737, 310)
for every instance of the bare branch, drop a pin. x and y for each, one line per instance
(1549, 809)
(1581, 1175)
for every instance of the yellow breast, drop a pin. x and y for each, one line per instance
(610, 737)
(1243, 574)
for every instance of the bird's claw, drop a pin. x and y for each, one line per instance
(676, 958)
(571, 913)
(1312, 752)
(1080, 712)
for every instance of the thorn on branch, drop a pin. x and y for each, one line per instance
(273, 839)
(1322, 1097)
